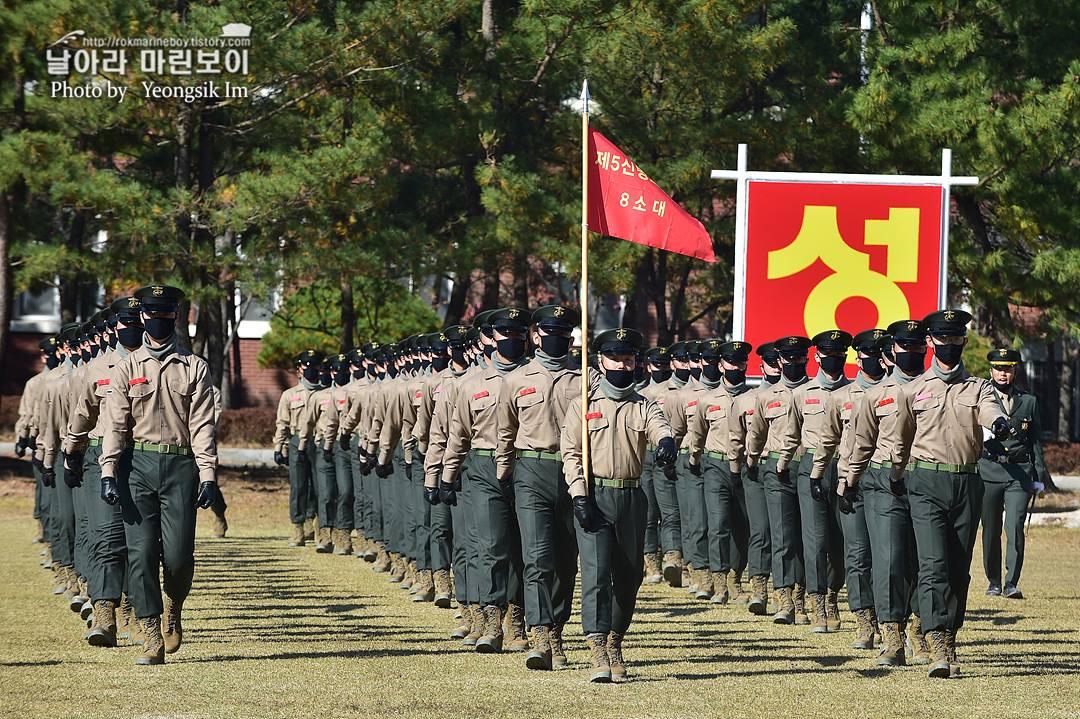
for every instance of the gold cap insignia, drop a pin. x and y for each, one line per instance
(558, 312)
(714, 344)
(912, 326)
(835, 335)
(949, 314)
(663, 350)
(159, 291)
(1003, 352)
(793, 341)
(1024, 424)
(621, 334)
(878, 334)
(514, 314)
(442, 337)
(311, 353)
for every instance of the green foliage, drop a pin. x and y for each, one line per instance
(975, 352)
(310, 318)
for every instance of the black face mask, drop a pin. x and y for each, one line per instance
(460, 356)
(682, 374)
(159, 328)
(439, 363)
(695, 372)
(794, 372)
(511, 348)
(555, 345)
(948, 354)
(1004, 388)
(621, 378)
(887, 353)
(639, 371)
(311, 374)
(112, 339)
(660, 375)
(872, 366)
(712, 372)
(832, 364)
(324, 379)
(772, 378)
(735, 376)
(52, 361)
(341, 378)
(381, 375)
(391, 371)
(86, 355)
(489, 350)
(911, 363)
(358, 374)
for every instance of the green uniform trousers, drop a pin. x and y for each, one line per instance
(41, 511)
(466, 554)
(158, 504)
(325, 489)
(545, 516)
(359, 511)
(419, 515)
(299, 482)
(725, 505)
(612, 560)
(945, 509)
(498, 538)
(822, 535)
(107, 568)
(857, 555)
(652, 521)
(390, 501)
(1007, 488)
(373, 500)
(785, 527)
(759, 557)
(695, 524)
(343, 469)
(63, 513)
(82, 540)
(894, 561)
(667, 502)
(441, 544)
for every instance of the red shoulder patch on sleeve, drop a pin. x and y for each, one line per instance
(137, 380)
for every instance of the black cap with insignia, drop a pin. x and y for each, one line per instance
(869, 341)
(127, 309)
(1003, 357)
(679, 351)
(556, 318)
(736, 351)
(159, 298)
(356, 358)
(947, 323)
(480, 322)
(693, 349)
(510, 319)
(438, 342)
(659, 356)
(309, 358)
(793, 346)
(767, 351)
(339, 362)
(619, 341)
(832, 341)
(49, 344)
(457, 335)
(908, 332)
(368, 349)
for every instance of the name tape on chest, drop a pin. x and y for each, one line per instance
(848, 405)
(924, 395)
(692, 403)
(325, 401)
(749, 412)
(102, 382)
(812, 401)
(594, 415)
(883, 402)
(715, 408)
(772, 405)
(295, 399)
(419, 394)
(527, 390)
(480, 395)
(138, 380)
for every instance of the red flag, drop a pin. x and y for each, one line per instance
(625, 203)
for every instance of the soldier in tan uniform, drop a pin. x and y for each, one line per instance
(657, 365)
(835, 439)
(936, 449)
(323, 417)
(473, 431)
(609, 505)
(26, 432)
(341, 535)
(531, 411)
(664, 478)
(163, 395)
(765, 438)
(708, 442)
(363, 372)
(291, 441)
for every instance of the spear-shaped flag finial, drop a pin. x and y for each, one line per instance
(585, 97)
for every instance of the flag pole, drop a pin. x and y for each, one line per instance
(585, 280)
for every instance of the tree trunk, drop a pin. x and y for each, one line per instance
(71, 287)
(521, 279)
(455, 307)
(7, 294)
(185, 131)
(348, 315)
(1066, 389)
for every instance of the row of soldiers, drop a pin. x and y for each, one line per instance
(121, 423)
(453, 455)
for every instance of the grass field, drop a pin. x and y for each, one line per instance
(277, 632)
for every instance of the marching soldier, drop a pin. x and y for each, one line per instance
(657, 364)
(531, 411)
(764, 440)
(341, 536)
(323, 415)
(938, 431)
(291, 439)
(609, 506)
(836, 434)
(1011, 470)
(26, 433)
(162, 395)
(690, 487)
(724, 373)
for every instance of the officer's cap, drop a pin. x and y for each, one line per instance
(368, 349)
(869, 341)
(736, 351)
(355, 357)
(324, 366)
(159, 298)
(1003, 357)
(679, 351)
(480, 322)
(108, 317)
(908, 332)
(48, 344)
(556, 318)
(339, 362)
(473, 335)
(87, 329)
(127, 309)
(422, 343)
(438, 342)
(658, 355)
(693, 349)
(457, 335)
(98, 320)
(309, 358)
(620, 341)
(832, 341)
(69, 331)
(947, 323)
(793, 346)
(767, 351)
(510, 319)
(710, 349)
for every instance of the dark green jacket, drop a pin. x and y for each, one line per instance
(1024, 418)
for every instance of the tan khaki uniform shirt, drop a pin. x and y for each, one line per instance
(769, 428)
(53, 415)
(710, 427)
(24, 425)
(161, 402)
(291, 418)
(532, 406)
(740, 418)
(687, 399)
(661, 393)
(806, 413)
(395, 421)
(836, 431)
(86, 421)
(444, 391)
(475, 420)
(359, 417)
(619, 430)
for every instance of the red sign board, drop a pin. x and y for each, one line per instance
(823, 256)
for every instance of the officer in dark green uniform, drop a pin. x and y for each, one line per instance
(1011, 470)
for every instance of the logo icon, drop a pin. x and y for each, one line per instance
(912, 325)
(621, 334)
(558, 312)
(159, 291)
(949, 314)
(1003, 352)
(513, 314)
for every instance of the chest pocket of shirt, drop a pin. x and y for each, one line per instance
(530, 400)
(101, 391)
(885, 410)
(480, 405)
(719, 414)
(635, 424)
(966, 409)
(774, 410)
(182, 397)
(597, 424)
(142, 399)
(813, 406)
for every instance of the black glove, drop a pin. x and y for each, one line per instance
(1000, 428)
(109, 491)
(408, 471)
(382, 471)
(457, 483)
(447, 493)
(784, 475)
(898, 487)
(846, 500)
(586, 514)
(22, 445)
(73, 469)
(279, 459)
(328, 455)
(302, 457)
(431, 495)
(736, 479)
(670, 472)
(506, 486)
(32, 442)
(752, 473)
(343, 441)
(365, 468)
(48, 476)
(207, 494)
(361, 453)
(666, 451)
(695, 469)
(817, 491)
